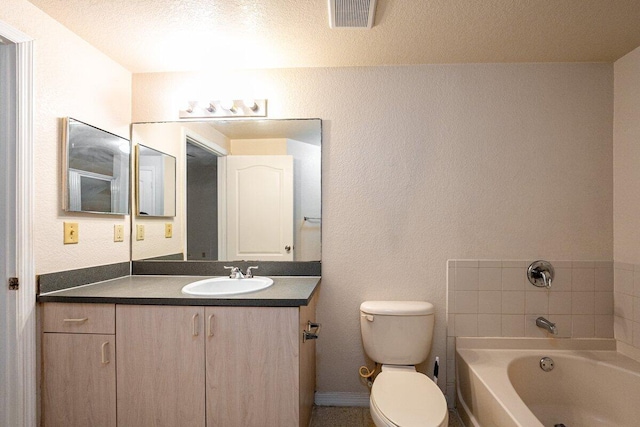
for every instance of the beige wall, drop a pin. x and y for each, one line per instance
(423, 164)
(626, 158)
(72, 79)
(626, 213)
(258, 147)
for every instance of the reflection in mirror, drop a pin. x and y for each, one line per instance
(96, 172)
(245, 190)
(156, 185)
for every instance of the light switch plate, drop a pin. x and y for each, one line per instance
(118, 233)
(139, 232)
(168, 230)
(71, 233)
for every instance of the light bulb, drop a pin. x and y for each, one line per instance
(250, 103)
(228, 105)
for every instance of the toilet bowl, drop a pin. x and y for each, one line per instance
(403, 397)
(398, 334)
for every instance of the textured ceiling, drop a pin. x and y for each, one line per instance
(172, 35)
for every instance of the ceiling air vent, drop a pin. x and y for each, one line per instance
(351, 13)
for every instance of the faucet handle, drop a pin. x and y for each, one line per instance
(541, 273)
(235, 272)
(249, 273)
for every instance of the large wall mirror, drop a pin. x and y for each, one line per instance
(95, 170)
(245, 190)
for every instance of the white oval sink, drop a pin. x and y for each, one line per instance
(226, 286)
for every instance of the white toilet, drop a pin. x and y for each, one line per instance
(398, 335)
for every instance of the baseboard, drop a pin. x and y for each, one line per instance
(341, 399)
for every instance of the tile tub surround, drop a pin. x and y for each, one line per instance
(494, 298)
(626, 308)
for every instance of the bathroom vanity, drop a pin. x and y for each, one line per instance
(135, 351)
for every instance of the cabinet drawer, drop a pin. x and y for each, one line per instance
(79, 318)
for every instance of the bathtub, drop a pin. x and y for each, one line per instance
(499, 382)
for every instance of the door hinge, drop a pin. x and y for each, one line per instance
(14, 283)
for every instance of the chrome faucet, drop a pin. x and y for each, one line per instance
(236, 273)
(543, 323)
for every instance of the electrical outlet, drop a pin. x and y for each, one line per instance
(71, 233)
(168, 230)
(118, 233)
(139, 232)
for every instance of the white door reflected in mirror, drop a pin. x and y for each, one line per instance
(260, 208)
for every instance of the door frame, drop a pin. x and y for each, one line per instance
(22, 388)
(191, 137)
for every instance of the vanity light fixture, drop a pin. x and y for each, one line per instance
(225, 108)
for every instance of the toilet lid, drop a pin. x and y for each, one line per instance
(409, 399)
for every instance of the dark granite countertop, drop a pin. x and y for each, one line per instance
(289, 291)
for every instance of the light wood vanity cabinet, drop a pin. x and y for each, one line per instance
(205, 366)
(252, 356)
(79, 376)
(160, 365)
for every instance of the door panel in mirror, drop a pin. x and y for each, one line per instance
(156, 185)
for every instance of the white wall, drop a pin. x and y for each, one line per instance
(626, 218)
(306, 199)
(427, 163)
(73, 79)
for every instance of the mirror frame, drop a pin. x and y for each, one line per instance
(66, 150)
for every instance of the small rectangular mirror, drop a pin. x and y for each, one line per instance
(156, 184)
(96, 170)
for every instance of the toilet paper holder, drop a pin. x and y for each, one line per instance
(311, 332)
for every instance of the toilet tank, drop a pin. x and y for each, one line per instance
(397, 332)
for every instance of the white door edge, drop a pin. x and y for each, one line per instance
(23, 390)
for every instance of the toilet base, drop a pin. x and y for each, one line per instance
(378, 416)
(380, 421)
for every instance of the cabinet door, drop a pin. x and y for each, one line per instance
(78, 380)
(252, 366)
(160, 366)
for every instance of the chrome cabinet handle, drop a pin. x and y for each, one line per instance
(84, 319)
(195, 324)
(210, 325)
(104, 353)
(287, 248)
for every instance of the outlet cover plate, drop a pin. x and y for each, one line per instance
(139, 232)
(118, 233)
